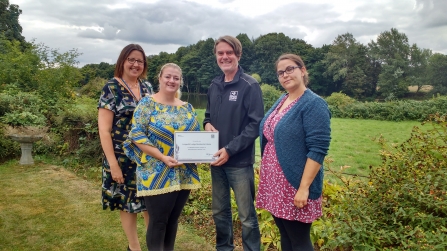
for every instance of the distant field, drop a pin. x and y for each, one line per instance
(424, 88)
(353, 142)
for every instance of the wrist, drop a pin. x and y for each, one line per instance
(227, 149)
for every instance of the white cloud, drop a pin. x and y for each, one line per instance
(100, 29)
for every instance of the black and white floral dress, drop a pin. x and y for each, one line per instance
(121, 102)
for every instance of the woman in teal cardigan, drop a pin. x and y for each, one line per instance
(295, 137)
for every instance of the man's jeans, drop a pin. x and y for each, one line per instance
(241, 180)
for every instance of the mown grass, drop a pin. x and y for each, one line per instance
(47, 207)
(354, 144)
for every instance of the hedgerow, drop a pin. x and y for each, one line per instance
(399, 110)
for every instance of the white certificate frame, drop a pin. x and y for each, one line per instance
(195, 146)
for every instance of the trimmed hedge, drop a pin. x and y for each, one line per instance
(392, 111)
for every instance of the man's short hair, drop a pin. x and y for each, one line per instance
(233, 42)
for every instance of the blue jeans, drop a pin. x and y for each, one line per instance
(241, 180)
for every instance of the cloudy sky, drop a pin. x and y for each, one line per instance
(99, 29)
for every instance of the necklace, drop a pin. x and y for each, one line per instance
(131, 92)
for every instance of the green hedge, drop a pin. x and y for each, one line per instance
(392, 111)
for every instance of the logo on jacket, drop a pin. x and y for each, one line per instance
(233, 96)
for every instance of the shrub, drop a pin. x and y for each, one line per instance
(9, 148)
(23, 119)
(404, 204)
(339, 100)
(93, 88)
(270, 95)
(77, 124)
(399, 110)
(257, 77)
(17, 101)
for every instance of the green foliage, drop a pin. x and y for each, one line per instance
(58, 74)
(319, 82)
(93, 88)
(9, 148)
(270, 95)
(397, 110)
(339, 100)
(404, 204)
(347, 62)
(257, 77)
(268, 48)
(19, 66)
(23, 119)
(21, 108)
(9, 21)
(77, 124)
(438, 73)
(392, 50)
(91, 71)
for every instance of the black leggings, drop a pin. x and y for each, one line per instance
(164, 211)
(295, 235)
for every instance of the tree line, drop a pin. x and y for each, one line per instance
(383, 68)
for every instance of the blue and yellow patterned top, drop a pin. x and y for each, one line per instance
(154, 124)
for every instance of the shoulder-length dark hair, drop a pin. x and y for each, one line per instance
(298, 61)
(119, 67)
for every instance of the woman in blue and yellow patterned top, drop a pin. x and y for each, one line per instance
(163, 182)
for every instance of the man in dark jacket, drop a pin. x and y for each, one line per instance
(235, 109)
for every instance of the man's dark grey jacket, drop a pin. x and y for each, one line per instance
(235, 109)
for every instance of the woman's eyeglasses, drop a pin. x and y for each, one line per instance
(289, 70)
(133, 60)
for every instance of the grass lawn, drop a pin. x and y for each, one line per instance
(46, 207)
(353, 141)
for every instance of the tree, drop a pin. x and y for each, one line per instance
(17, 65)
(268, 48)
(318, 81)
(102, 70)
(248, 51)
(419, 61)
(346, 62)
(58, 73)
(9, 21)
(437, 70)
(154, 64)
(392, 51)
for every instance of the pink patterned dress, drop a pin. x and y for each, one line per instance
(275, 193)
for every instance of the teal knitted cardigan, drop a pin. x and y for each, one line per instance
(303, 132)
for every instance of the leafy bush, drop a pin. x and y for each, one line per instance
(23, 119)
(399, 110)
(93, 88)
(14, 100)
(339, 100)
(270, 95)
(9, 148)
(404, 204)
(21, 108)
(257, 77)
(77, 124)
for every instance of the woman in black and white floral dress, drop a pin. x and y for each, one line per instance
(117, 103)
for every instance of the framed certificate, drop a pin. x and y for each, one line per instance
(196, 146)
